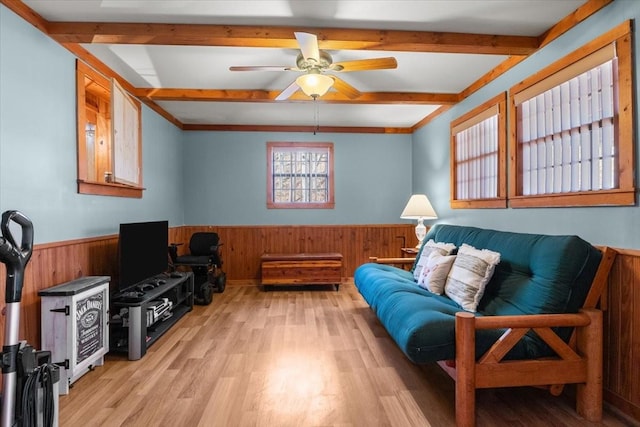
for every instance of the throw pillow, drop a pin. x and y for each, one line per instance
(434, 274)
(427, 248)
(469, 275)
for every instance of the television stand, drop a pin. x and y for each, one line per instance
(140, 318)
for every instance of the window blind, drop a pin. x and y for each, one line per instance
(566, 128)
(477, 157)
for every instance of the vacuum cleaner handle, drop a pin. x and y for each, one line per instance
(13, 256)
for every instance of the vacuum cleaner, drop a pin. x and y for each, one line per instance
(29, 380)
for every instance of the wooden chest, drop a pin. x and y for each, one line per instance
(301, 269)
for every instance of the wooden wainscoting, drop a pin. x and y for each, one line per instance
(622, 335)
(243, 245)
(55, 263)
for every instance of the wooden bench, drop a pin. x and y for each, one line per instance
(301, 269)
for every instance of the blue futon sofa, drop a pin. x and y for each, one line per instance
(537, 275)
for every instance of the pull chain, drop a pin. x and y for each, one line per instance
(316, 115)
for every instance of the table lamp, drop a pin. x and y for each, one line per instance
(418, 207)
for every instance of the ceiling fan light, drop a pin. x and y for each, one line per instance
(314, 85)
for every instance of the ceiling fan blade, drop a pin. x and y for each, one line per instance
(308, 45)
(365, 64)
(263, 68)
(345, 88)
(289, 90)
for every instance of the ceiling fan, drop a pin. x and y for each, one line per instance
(314, 63)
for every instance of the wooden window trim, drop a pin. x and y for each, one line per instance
(625, 194)
(329, 204)
(109, 189)
(467, 120)
(85, 185)
(600, 198)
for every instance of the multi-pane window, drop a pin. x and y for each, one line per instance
(478, 156)
(300, 175)
(573, 140)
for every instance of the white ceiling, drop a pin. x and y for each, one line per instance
(207, 67)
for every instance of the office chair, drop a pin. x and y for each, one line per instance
(205, 260)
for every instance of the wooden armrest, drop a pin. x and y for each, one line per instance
(517, 326)
(529, 321)
(392, 260)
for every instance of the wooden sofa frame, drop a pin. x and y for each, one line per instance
(578, 362)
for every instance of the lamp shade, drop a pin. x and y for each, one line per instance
(314, 84)
(418, 207)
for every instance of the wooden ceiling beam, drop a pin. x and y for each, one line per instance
(257, 95)
(302, 129)
(282, 37)
(26, 13)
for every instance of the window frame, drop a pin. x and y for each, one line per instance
(623, 121)
(467, 121)
(86, 184)
(298, 146)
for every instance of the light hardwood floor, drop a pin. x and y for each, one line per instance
(312, 357)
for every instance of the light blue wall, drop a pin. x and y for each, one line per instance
(614, 226)
(225, 179)
(219, 177)
(190, 177)
(38, 168)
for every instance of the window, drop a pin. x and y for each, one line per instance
(299, 175)
(573, 144)
(109, 141)
(478, 156)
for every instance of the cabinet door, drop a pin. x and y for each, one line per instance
(89, 328)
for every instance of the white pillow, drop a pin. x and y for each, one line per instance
(427, 248)
(434, 274)
(469, 275)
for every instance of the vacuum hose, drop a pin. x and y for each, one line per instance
(15, 257)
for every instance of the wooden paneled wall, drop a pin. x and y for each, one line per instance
(56, 263)
(622, 334)
(243, 246)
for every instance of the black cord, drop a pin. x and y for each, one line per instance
(48, 402)
(29, 399)
(41, 376)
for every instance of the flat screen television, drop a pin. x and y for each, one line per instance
(142, 251)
